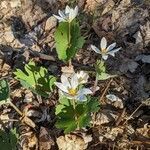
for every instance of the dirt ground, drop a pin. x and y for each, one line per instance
(27, 32)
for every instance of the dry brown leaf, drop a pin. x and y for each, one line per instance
(145, 31)
(68, 70)
(108, 6)
(113, 133)
(104, 117)
(51, 22)
(73, 142)
(114, 100)
(29, 141)
(92, 4)
(45, 140)
(120, 9)
(145, 131)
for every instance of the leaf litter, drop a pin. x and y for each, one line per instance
(123, 21)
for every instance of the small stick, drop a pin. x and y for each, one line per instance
(101, 99)
(18, 111)
(95, 84)
(120, 117)
(9, 120)
(105, 90)
(133, 113)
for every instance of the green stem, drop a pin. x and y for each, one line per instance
(69, 34)
(74, 104)
(76, 117)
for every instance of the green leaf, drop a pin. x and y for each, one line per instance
(101, 71)
(92, 104)
(105, 76)
(61, 39)
(8, 140)
(84, 120)
(69, 119)
(36, 79)
(100, 66)
(4, 90)
(63, 102)
(77, 40)
(66, 49)
(13, 138)
(66, 119)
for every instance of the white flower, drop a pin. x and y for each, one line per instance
(82, 77)
(67, 15)
(104, 50)
(70, 88)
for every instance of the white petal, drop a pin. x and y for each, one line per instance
(65, 81)
(61, 87)
(81, 98)
(74, 81)
(67, 10)
(61, 14)
(60, 19)
(110, 47)
(105, 57)
(103, 43)
(82, 76)
(112, 52)
(72, 15)
(95, 49)
(76, 10)
(84, 91)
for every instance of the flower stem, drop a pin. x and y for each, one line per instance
(70, 63)
(69, 35)
(76, 117)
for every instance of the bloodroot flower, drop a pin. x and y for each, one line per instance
(67, 15)
(104, 50)
(70, 88)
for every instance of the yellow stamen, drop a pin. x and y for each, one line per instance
(72, 92)
(103, 50)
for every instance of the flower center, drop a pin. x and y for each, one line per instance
(72, 92)
(103, 50)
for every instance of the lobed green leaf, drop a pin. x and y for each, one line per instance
(36, 79)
